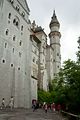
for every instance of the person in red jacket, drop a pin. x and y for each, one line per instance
(53, 107)
(58, 107)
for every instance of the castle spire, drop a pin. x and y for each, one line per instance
(53, 14)
(54, 20)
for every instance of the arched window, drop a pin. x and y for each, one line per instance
(22, 28)
(7, 31)
(34, 59)
(13, 50)
(5, 45)
(14, 37)
(12, 1)
(19, 54)
(3, 61)
(17, 8)
(11, 65)
(16, 21)
(20, 43)
(9, 16)
(23, 14)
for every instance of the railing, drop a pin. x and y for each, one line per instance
(71, 116)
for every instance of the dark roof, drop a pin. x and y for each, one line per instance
(39, 29)
(54, 19)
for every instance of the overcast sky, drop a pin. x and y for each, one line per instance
(68, 14)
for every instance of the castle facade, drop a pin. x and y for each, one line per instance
(27, 62)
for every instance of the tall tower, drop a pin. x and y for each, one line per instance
(55, 36)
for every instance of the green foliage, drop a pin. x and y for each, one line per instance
(44, 96)
(65, 88)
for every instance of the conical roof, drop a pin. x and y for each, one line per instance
(54, 20)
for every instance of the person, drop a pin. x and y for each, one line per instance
(3, 104)
(34, 106)
(53, 107)
(46, 107)
(11, 102)
(58, 107)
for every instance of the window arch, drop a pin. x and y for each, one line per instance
(16, 21)
(5, 45)
(17, 8)
(9, 16)
(23, 14)
(33, 59)
(7, 31)
(14, 38)
(20, 43)
(12, 1)
(22, 28)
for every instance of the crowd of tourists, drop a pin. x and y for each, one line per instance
(35, 105)
(9, 105)
(45, 106)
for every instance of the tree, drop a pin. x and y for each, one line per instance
(68, 84)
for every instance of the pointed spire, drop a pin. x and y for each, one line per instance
(54, 15)
(54, 19)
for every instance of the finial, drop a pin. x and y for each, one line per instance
(54, 11)
(54, 15)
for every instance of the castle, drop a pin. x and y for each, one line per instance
(27, 62)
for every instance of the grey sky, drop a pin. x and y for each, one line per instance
(67, 12)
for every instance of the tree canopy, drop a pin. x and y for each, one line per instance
(65, 88)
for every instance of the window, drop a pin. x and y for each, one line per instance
(54, 60)
(16, 21)
(7, 31)
(17, 24)
(5, 45)
(3, 61)
(17, 8)
(58, 66)
(23, 14)
(22, 28)
(12, 1)
(18, 68)
(19, 54)
(9, 16)
(20, 43)
(11, 65)
(14, 37)
(57, 54)
(34, 59)
(13, 50)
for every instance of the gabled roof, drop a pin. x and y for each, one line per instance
(24, 4)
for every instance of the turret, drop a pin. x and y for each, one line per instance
(54, 24)
(55, 43)
(54, 28)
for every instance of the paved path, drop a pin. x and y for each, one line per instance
(21, 114)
